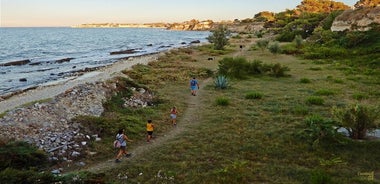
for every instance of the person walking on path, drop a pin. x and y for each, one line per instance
(149, 130)
(173, 115)
(122, 138)
(194, 86)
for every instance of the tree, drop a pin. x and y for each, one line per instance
(219, 37)
(367, 3)
(321, 6)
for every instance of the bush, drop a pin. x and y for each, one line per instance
(359, 96)
(324, 92)
(221, 82)
(315, 100)
(274, 48)
(298, 41)
(254, 95)
(233, 67)
(278, 70)
(10, 176)
(262, 44)
(222, 101)
(305, 80)
(357, 119)
(219, 37)
(21, 155)
(319, 130)
(320, 177)
(240, 68)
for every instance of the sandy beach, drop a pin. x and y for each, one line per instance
(53, 89)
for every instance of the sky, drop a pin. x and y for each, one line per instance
(56, 13)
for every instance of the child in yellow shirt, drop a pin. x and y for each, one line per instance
(149, 130)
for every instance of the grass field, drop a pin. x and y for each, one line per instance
(248, 140)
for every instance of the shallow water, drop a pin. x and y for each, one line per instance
(81, 47)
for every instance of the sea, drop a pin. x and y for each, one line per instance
(30, 57)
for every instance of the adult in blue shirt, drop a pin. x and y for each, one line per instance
(194, 86)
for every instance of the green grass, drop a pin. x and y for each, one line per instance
(254, 141)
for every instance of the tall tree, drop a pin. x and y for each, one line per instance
(367, 3)
(321, 6)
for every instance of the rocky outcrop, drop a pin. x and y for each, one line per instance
(193, 25)
(359, 19)
(49, 125)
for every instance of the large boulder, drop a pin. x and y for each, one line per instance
(359, 19)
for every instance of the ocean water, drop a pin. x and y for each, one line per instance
(46, 49)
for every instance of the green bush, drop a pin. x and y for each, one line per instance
(240, 68)
(221, 82)
(222, 101)
(219, 37)
(274, 48)
(254, 95)
(319, 130)
(305, 80)
(315, 100)
(357, 119)
(298, 41)
(325, 92)
(233, 67)
(13, 176)
(278, 70)
(320, 177)
(359, 96)
(262, 44)
(21, 155)
(300, 110)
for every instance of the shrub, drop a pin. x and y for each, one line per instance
(300, 110)
(315, 100)
(319, 129)
(274, 48)
(357, 119)
(359, 96)
(221, 82)
(320, 177)
(262, 44)
(10, 175)
(21, 155)
(298, 41)
(254, 95)
(219, 37)
(278, 70)
(324, 92)
(255, 67)
(233, 67)
(305, 80)
(222, 101)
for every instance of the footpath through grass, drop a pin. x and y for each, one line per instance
(247, 140)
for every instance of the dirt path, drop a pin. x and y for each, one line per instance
(189, 118)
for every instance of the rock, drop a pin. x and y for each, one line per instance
(129, 51)
(64, 60)
(195, 41)
(359, 19)
(16, 63)
(23, 80)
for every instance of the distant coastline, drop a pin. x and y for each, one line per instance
(192, 25)
(121, 25)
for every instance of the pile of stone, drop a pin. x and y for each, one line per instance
(48, 124)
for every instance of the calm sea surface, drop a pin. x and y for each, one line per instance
(82, 48)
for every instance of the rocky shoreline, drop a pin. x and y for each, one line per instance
(43, 116)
